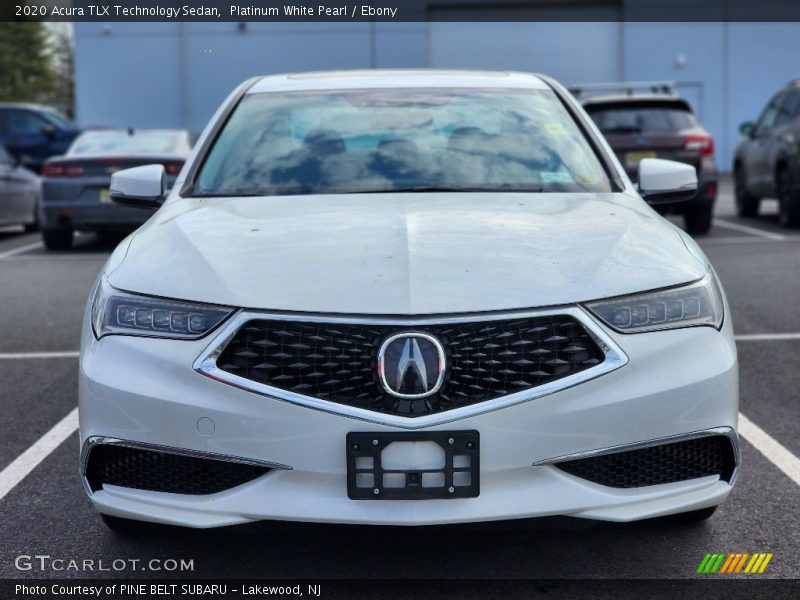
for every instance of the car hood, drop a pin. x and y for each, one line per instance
(405, 254)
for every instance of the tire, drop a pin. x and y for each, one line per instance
(698, 219)
(120, 525)
(31, 227)
(788, 200)
(746, 204)
(691, 517)
(57, 239)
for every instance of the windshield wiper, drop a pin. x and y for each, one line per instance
(440, 188)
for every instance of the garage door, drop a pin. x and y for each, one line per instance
(522, 39)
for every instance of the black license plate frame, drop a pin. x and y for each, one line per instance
(456, 445)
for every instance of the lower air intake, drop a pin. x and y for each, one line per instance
(111, 464)
(665, 463)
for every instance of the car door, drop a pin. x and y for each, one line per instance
(29, 137)
(17, 192)
(757, 154)
(786, 136)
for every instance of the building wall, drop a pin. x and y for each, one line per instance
(175, 74)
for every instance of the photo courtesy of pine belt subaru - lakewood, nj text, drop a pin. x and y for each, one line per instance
(406, 298)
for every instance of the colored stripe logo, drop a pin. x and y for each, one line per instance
(734, 563)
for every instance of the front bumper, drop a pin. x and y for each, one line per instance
(676, 382)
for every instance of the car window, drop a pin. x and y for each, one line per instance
(4, 121)
(25, 122)
(769, 116)
(58, 119)
(631, 117)
(788, 109)
(349, 141)
(131, 143)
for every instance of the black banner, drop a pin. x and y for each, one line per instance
(598, 589)
(399, 10)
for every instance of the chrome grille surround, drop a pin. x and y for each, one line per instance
(206, 363)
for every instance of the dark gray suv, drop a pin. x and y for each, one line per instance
(767, 159)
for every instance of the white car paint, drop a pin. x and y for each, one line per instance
(407, 256)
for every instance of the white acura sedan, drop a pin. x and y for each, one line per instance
(407, 298)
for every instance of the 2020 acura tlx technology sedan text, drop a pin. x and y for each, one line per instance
(406, 297)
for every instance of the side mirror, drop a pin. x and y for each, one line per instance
(142, 187)
(747, 129)
(49, 130)
(665, 181)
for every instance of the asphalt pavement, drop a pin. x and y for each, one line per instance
(42, 295)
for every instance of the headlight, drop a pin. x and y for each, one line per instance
(699, 303)
(122, 313)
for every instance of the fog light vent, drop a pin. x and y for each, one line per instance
(159, 471)
(664, 463)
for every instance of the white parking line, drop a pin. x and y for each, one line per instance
(737, 239)
(25, 355)
(766, 337)
(30, 459)
(770, 448)
(747, 229)
(20, 250)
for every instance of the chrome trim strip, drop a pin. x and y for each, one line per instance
(206, 363)
(98, 440)
(728, 432)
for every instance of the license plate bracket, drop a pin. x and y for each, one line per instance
(367, 479)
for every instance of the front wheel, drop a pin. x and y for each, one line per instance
(698, 219)
(120, 525)
(691, 517)
(57, 239)
(746, 204)
(788, 200)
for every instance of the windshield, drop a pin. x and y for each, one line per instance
(134, 143)
(630, 117)
(58, 119)
(385, 140)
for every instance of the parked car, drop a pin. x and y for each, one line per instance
(661, 124)
(76, 193)
(33, 133)
(407, 298)
(19, 193)
(767, 160)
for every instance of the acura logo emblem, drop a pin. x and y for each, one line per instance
(411, 365)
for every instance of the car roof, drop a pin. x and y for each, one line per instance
(634, 98)
(396, 78)
(28, 105)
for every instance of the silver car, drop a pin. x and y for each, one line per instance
(75, 186)
(19, 193)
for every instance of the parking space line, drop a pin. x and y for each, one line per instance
(752, 230)
(30, 459)
(737, 239)
(772, 450)
(766, 337)
(20, 250)
(25, 355)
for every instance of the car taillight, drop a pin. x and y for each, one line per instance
(703, 143)
(173, 168)
(73, 170)
(62, 170)
(53, 171)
